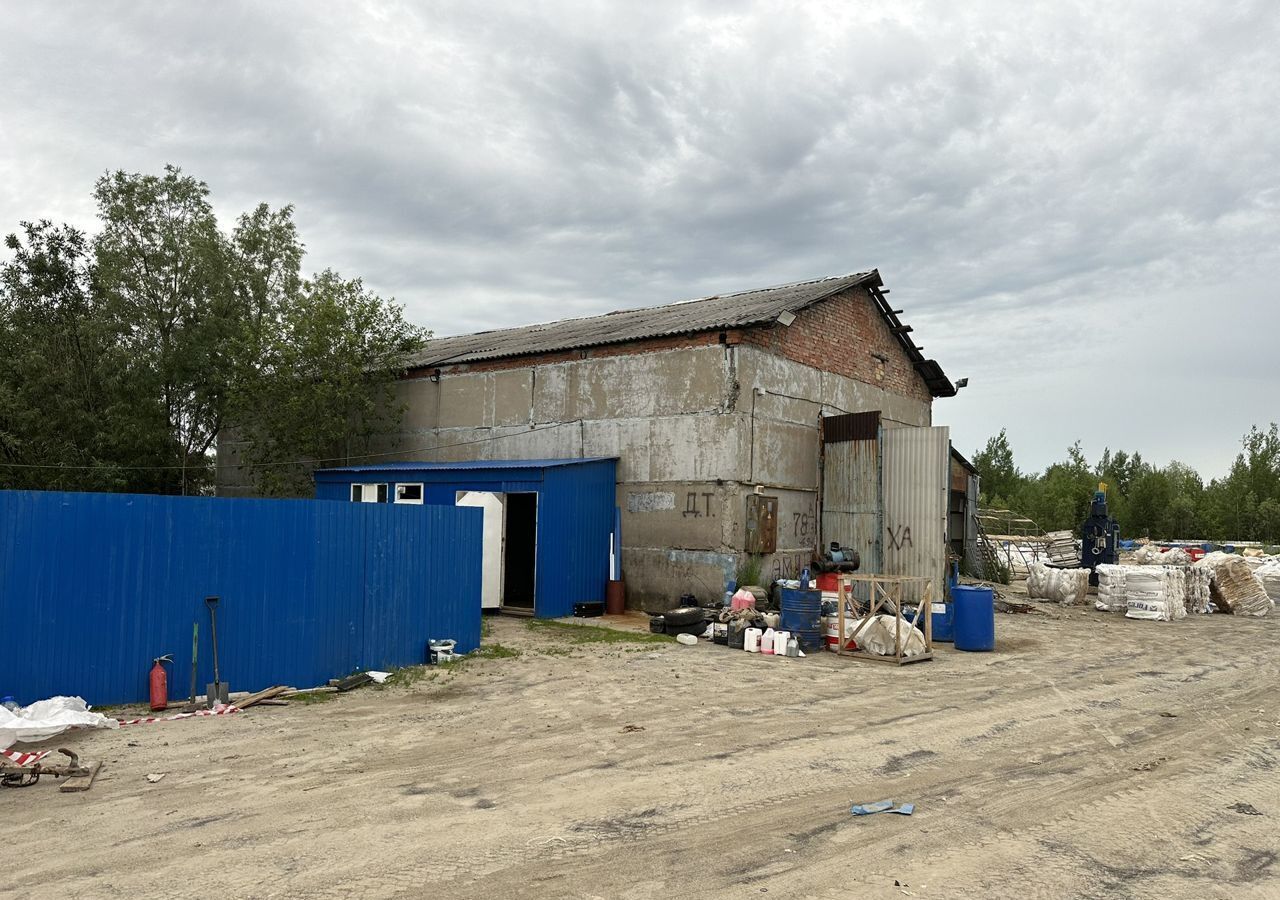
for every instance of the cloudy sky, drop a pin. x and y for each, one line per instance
(1077, 204)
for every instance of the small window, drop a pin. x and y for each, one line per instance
(368, 493)
(409, 493)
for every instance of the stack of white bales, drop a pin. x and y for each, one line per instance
(1111, 587)
(1062, 548)
(1065, 586)
(1155, 592)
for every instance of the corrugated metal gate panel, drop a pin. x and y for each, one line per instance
(94, 586)
(851, 498)
(916, 481)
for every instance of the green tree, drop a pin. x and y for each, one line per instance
(999, 478)
(327, 387)
(124, 356)
(70, 413)
(165, 273)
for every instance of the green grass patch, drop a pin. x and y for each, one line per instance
(494, 651)
(309, 698)
(594, 634)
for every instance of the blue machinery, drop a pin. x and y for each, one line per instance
(1099, 536)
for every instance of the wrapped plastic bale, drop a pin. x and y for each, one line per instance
(1269, 576)
(1155, 593)
(1152, 555)
(1198, 596)
(1235, 589)
(1065, 586)
(1147, 555)
(1111, 587)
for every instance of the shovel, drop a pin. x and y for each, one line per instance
(195, 648)
(219, 691)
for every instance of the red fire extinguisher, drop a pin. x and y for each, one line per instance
(160, 683)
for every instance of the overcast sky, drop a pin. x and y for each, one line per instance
(1077, 204)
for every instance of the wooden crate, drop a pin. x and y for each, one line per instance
(884, 591)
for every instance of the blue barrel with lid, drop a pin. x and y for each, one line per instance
(802, 616)
(974, 619)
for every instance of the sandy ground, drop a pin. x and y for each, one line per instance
(1089, 756)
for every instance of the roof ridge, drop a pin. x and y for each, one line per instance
(641, 309)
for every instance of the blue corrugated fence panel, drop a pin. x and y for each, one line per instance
(93, 586)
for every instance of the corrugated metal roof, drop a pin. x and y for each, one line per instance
(465, 466)
(755, 307)
(741, 310)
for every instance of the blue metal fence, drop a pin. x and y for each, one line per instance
(93, 586)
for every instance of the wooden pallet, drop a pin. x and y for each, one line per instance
(888, 590)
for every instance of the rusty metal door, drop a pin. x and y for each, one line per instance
(852, 508)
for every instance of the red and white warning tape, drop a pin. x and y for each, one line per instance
(24, 759)
(220, 711)
(19, 758)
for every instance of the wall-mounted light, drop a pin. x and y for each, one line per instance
(961, 382)
(786, 317)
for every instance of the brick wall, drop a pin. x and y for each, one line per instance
(845, 335)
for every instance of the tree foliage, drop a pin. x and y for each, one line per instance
(1170, 502)
(124, 356)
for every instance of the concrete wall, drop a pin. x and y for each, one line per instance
(695, 423)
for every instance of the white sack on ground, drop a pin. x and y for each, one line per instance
(1065, 586)
(46, 718)
(878, 637)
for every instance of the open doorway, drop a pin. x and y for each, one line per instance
(521, 550)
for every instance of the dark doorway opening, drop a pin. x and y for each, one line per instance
(521, 552)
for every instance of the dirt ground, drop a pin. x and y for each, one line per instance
(1089, 756)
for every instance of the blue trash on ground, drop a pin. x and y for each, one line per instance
(869, 809)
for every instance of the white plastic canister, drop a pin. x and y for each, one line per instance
(751, 640)
(780, 639)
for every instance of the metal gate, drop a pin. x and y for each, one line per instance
(852, 510)
(917, 465)
(885, 494)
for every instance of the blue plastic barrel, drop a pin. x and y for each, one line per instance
(943, 622)
(802, 616)
(975, 617)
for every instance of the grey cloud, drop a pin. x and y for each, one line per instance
(1036, 183)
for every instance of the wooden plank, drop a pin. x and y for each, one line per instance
(81, 782)
(269, 693)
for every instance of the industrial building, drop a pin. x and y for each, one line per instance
(766, 422)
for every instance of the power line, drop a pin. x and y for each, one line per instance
(296, 462)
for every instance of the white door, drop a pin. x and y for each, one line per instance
(491, 554)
